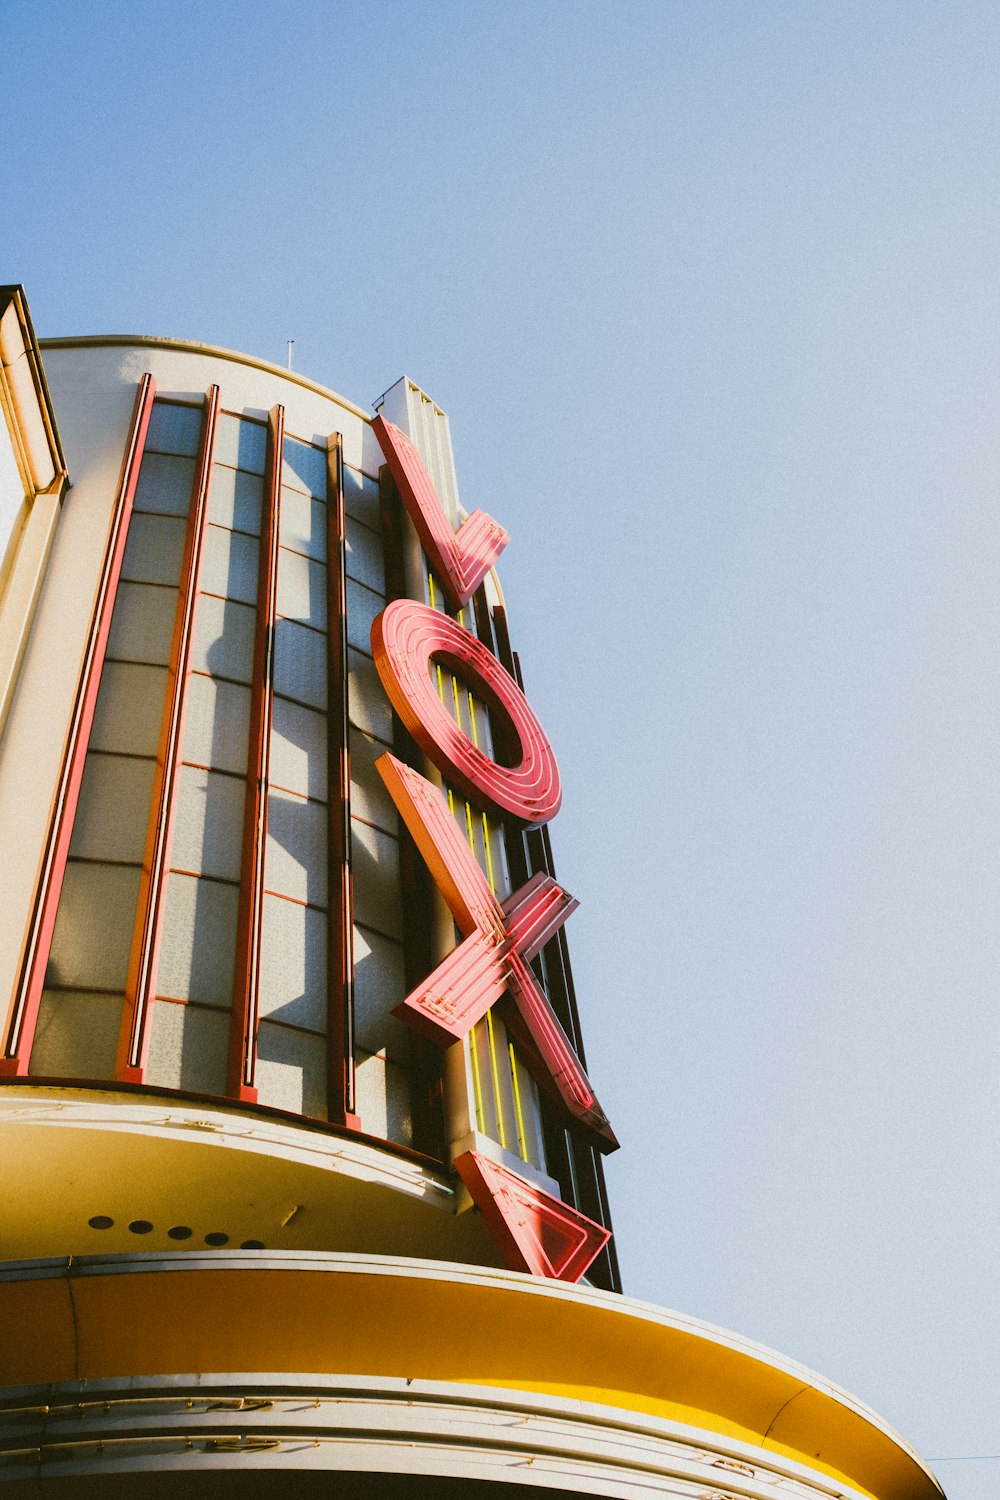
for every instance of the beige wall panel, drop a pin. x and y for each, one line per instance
(303, 524)
(368, 706)
(298, 749)
(293, 965)
(291, 1070)
(187, 1048)
(224, 638)
(198, 952)
(379, 984)
(94, 409)
(383, 1094)
(234, 499)
(375, 862)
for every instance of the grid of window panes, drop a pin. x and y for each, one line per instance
(190, 1020)
(382, 1044)
(80, 1012)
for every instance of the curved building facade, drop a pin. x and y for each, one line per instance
(303, 1173)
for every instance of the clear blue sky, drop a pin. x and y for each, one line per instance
(710, 292)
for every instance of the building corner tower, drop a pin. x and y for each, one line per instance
(302, 1166)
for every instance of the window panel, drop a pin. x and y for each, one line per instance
(293, 965)
(241, 444)
(364, 556)
(165, 484)
(298, 749)
(155, 549)
(295, 860)
(300, 663)
(362, 607)
(129, 708)
(235, 499)
(304, 468)
(375, 863)
(302, 524)
(223, 638)
(198, 947)
(142, 626)
(113, 812)
(93, 931)
(291, 1070)
(361, 498)
(188, 1048)
(174, 429)
(369, 798)
(369, 708)
(383, 1099)
(76, 1035)
(208, 823)
(218, 721)
(229, 564)
(301, 589)
(379, 984)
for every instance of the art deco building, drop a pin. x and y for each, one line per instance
(302, 1186)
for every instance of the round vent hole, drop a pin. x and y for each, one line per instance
(252, 1245)
(216, 1238)
(100, 1221)
(140, 1226)
(179, 1232)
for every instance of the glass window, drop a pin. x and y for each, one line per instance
(165, 484)
(93, 933)
(174, 429)
(142, 626)
(113, 812)
(129, 709)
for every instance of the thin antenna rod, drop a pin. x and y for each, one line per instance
(290, 343)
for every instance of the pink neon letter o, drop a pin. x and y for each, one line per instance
(406, 638)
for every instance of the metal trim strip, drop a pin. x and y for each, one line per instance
(246, 980)
(140, 987)
(38, 936)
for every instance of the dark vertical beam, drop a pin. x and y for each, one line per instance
(580, 1169)
(341, 1099)
(241, 1077)
(140, 986)
(48, 886)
